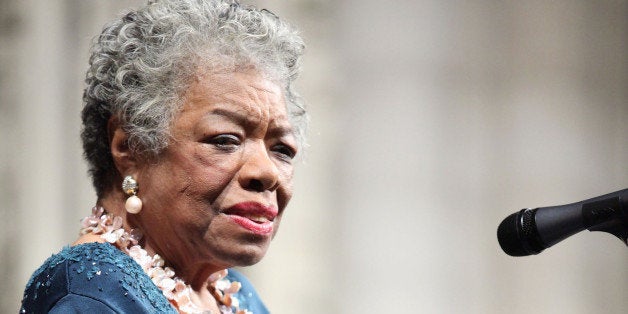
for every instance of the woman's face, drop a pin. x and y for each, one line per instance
(217, 193)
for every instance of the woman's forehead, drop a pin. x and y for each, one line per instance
(239, 96)
(237, 80)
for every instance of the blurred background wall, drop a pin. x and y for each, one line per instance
(431, 122)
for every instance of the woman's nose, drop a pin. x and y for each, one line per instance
(259, 173)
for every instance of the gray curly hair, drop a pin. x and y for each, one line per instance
(142, 63)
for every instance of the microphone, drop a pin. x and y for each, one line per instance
(530, 231)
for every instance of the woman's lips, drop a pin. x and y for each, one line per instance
(253, 216)
(251, 225)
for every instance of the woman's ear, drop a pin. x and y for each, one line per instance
(123, 158)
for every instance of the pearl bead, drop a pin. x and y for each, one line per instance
(133, 204)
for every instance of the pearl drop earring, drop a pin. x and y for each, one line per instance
(133, 204)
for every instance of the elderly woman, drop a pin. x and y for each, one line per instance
(190, 127)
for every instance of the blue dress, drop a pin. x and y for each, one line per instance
(99, 278)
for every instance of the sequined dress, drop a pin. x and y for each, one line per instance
(99, 278)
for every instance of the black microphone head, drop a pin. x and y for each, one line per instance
(517, 234)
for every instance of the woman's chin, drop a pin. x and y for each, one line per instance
(249, 255)
(237, 245)
(240, 253)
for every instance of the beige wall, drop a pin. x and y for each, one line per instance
(431, 122)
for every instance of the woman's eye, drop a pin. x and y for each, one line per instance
(225, 141)
(284, 152)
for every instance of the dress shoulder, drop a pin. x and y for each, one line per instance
(95, 276)
(247, 296)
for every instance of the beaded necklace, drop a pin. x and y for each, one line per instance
(110, 229)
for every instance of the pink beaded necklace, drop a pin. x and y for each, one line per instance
(110, 229)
